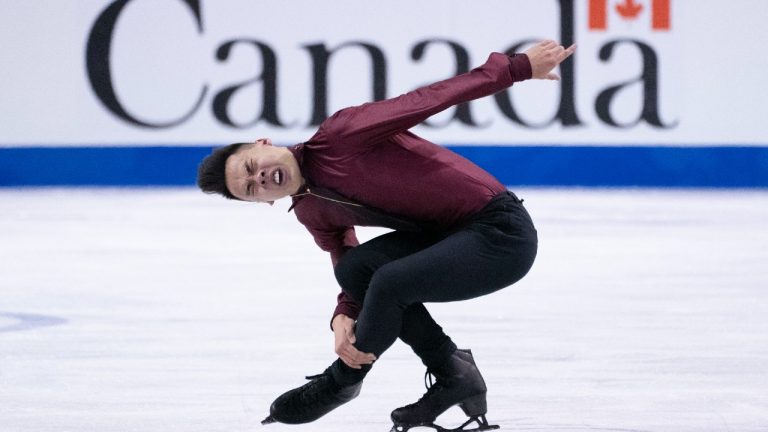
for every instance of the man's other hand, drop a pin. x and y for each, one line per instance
(344, 335)
(545, 56)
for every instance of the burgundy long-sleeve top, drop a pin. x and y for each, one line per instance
(368, 157)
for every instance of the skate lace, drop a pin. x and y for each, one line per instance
(432, 384)
(429, 379)
(309, 395)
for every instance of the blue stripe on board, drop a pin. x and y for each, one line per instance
(724, 166)
(624, 166)
(100, 166)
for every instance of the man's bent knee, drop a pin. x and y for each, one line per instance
(352, 274)
(390, 284)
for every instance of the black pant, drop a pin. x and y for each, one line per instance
(393, 275)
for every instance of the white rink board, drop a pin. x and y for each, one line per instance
(168, 310)
(708, 73)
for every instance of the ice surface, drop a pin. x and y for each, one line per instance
(169, 310)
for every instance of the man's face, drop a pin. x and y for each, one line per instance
(262, 173)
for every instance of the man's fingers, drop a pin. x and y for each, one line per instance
(353, 355)
(355, 358)
(546, 56)
(567, 52)
(353, 362)
(349, 353)
(351, 335)
(359, 356)
(350, 363)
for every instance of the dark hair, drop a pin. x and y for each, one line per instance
(210, 172)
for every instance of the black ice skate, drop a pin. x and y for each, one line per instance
(312, 400)
(458, 382)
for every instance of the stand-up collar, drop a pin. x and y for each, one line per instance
(298, 153)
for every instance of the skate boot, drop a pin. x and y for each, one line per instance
(312, 400)
(458, 382)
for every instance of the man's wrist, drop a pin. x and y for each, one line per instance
(337, 319)
(520, 67)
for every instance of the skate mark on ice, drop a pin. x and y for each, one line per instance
(10, 322)
(573, 427)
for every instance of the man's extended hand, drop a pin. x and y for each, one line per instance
(344, 334)
(545, 56)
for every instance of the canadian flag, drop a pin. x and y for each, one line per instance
(629, 10)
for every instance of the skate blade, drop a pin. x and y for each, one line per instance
(268, 420)
(482, 425)
(406, 427)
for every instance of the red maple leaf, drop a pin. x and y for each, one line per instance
(629, 9)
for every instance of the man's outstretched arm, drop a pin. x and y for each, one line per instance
(370, 122)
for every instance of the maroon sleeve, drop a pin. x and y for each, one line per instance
(335, 238)
(337, 243)
(347, 306)
(370, 122)
(330, 229)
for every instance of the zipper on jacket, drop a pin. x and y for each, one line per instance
(309, 192)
